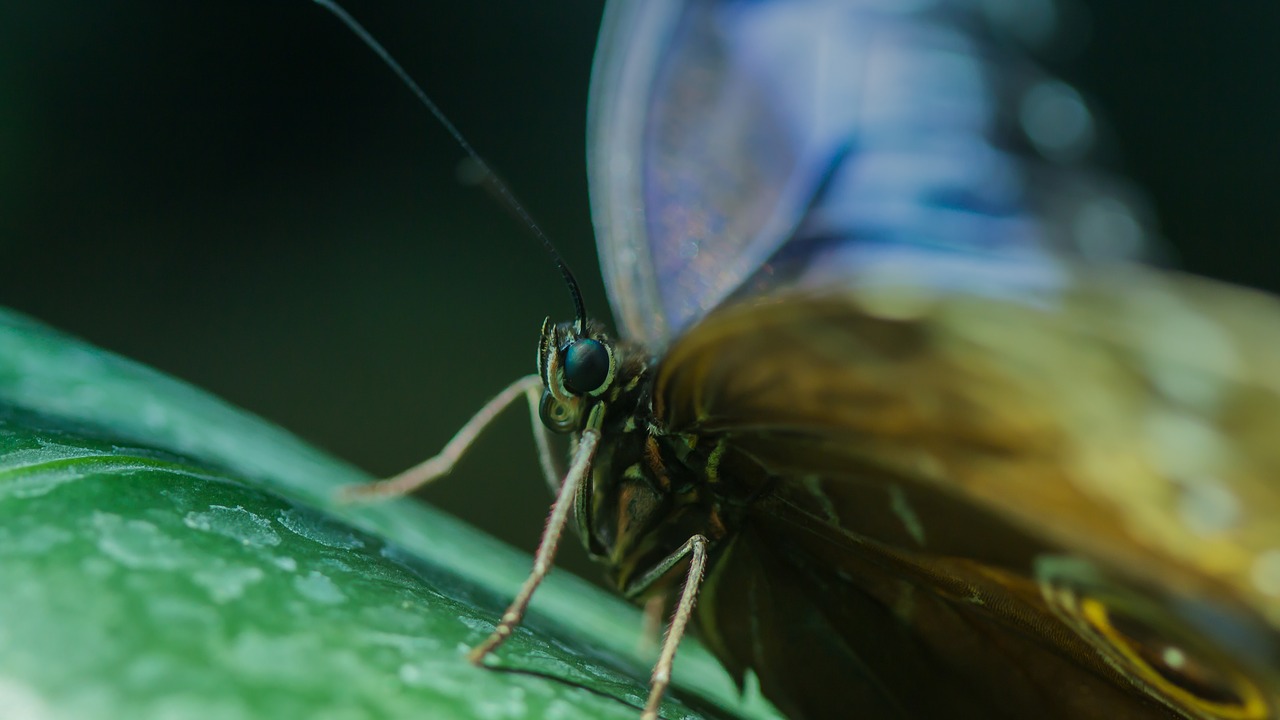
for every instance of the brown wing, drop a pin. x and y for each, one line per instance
(989, 509)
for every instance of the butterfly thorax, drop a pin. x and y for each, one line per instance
(650, 488)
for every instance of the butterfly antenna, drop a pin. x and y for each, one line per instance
(495, 184)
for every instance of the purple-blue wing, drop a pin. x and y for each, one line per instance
(739, 146)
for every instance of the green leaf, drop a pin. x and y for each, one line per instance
(163, 554)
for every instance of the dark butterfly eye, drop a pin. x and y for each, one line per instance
(588, 367)
(556, 415)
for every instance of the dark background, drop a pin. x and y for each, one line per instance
(239, 194)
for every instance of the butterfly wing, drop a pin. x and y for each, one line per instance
(1005, 509)
(964, 449)
(736, 147)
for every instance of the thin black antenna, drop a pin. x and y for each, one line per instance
(495, 184)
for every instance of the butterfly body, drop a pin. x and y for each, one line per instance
(866, 541)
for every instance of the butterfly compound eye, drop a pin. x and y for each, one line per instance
(587, 367)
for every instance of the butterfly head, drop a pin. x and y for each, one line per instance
(578, 365)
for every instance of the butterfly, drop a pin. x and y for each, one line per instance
(889, 419)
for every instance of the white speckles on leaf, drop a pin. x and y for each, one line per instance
(235, 523)
(136, 543)
(227, 582)
(281, 660)
(32, 541)
(478, 625)
(510, 703)
(559, 709)
(319, 588)
(47, 452)
(26, 486)
(285, 563)
(317, 529)
(335, 564)
(411, 674)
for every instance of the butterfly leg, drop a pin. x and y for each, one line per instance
(440, 465)
(696, 550)
(567, 493)
(655, 615)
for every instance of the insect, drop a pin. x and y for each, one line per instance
(874, 423)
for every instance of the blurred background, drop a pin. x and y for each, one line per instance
(239, 194)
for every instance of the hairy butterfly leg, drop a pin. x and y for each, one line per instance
(579, 467)
(696, 550)
(443, 463)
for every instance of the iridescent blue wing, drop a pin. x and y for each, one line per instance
(739, 146)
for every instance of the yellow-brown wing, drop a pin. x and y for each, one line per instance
(1064, 508)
